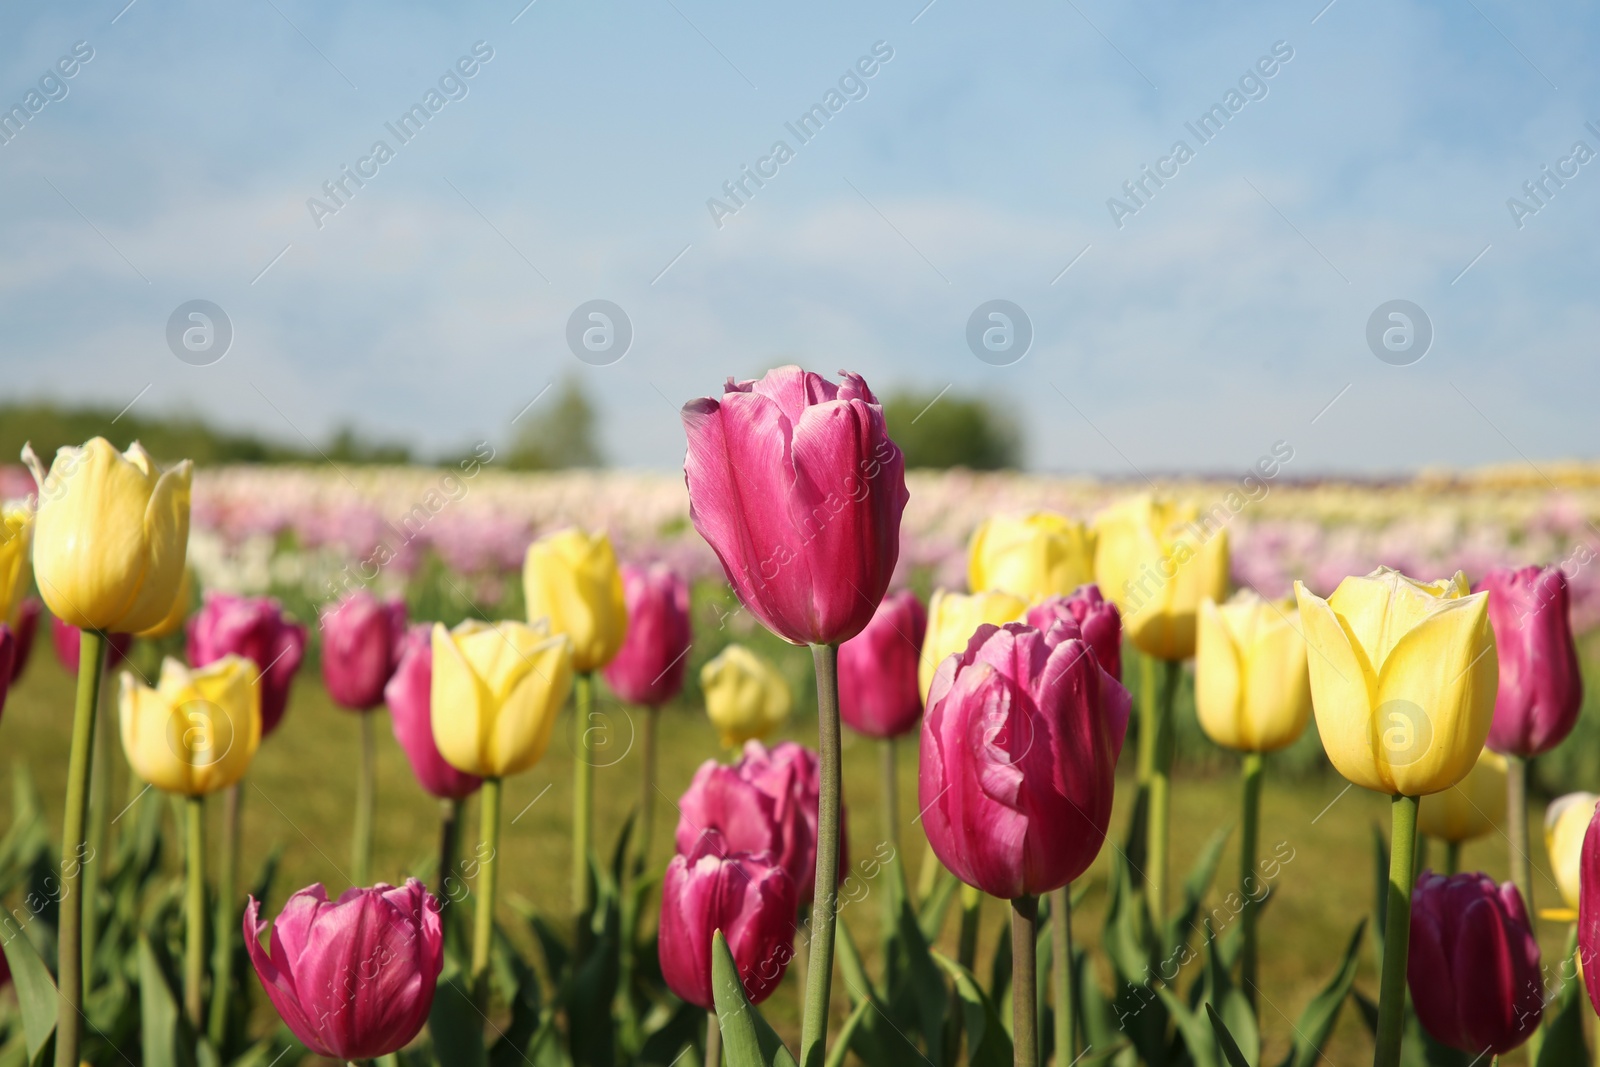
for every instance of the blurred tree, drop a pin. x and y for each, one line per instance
(557, 433)
(347, 447)
(953, 431)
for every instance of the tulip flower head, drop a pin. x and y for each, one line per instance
(361, 638)
(1473, 964)
(745, 895)
(1566, 823)
(571, 578)
(1159, 560)
(746, 697)
(197, 731)
(649, 668)
(1252, 685)
(111, 536)
(409, 695)
(1403, 679)
(16, 542)
(952, 620)
(1589, 910)
(795, 484)
(8, 656)
(24, 629)
(1472, 807)
(257, 629)
(1033, 556)
(1540, 689)
(64, 638)
(353, 979)
(1091, 616)
(1019, 746)
(495, 693)
(878, 691)
(182, 602)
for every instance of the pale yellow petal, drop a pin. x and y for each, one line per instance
(1342, 690)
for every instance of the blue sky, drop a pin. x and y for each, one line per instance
(1228, 312)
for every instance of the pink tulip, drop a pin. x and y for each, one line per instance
(410, 699)
(27, 626)
(649, 668)
(1473, 965)
(794, 483)
(1540, 687)
(1095, 619)
(1589, 910)
(257, 629)
(361, 648)
(1019, 745)
(65, 640)
(747, 896)
(354, 979)
(878, 692)
(8, 657)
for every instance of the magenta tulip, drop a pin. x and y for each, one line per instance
(27, 626)
(354, 979)
(1095, 618)
(257, 629)
(360, 648)
(1473, 965)
(747, 896)
(8, 657)
(649, 667)
(410, 698)
(1019, 745)
(1540, 687)
(65, 639)
(794, 483)
(1589, 910)
(878, 693)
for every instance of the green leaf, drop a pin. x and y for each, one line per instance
(1316, 1022)
(36, 992)
(1236, 1011)
(1563, 1035)
(927, 986)
(747, 1040)
(988, 1044)
(456, 1025)
(930, 916)
(1194, 890)
(1230, 1048)
(167, 1038)
(851, 967)
(1198, 1037)
(846, 1034)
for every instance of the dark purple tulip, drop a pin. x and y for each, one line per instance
(27, 625)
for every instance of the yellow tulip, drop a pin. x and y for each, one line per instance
(196, 731)
(1157, 560)
(496, 690)
(746, 697)
(1252, 690)
(1566, 821)
(16, 538)
(110, 537)
(1472, 807)
(181, 603)
(1033, 556)
(571, 578)
(1403, 679)
(952, 618)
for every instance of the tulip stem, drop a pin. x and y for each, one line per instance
(449, 833)
(819, 974)
(69, 1011)
(1452, 857)
(1161, 747)
(1250, 834)
(222, 951)
(967, 941)
(366, 789)
(713, 1041)
(1061, 963)
(582, 811)
(99, 808)
(1396, 930)
(1517, 828)
(483, 907)
(1025, 980)
(194, 945)
(891, 797)
(647, 795)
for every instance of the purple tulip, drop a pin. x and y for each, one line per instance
(354, 979)
(747, 896)
(409, 695)
(649, 667)
(1473, 965)
(1540, 687)
(1589, 909)
(27, 625)
(1019, 746)
(1095, 619)
(257, 629)
(794, 483)
(878, 692)
(361, 648)
(8, 657)
(64, 637)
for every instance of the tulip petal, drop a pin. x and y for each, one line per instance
(166, 522)
(1344, 693)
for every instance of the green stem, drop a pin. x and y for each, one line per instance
(1161, 746)
(449, 836)
(226, 921)
(582, 809)
(1249, 881)
(819, 974)
(1517, 828)
(1025, 980)
(194, 945)
(1066, 997)
(1396, 930)
(69, 943)
(366, 795)
(1452, 857)
(100, 766)
(713, 1041)
(928, 874)
(483, 907)
(1147, 717)
(891, 797)
(967, 944)
(647, 794)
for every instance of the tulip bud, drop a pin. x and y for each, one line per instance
(571, 578)
(409, 695)
(1091, 617)
(878, 692)
(1032, 556)
(1566, 822)
(25, 626)
(1403, 679)
(495, 694)
(353, 979)
(1252, 687)
(795, 484)
(1589, 910)
(1158, 560)
(16, 540)
(746, 697)
(257, 629)
(1019, 747)
(1470, 808)
(746, 896)
(64, 639)
(360, 648)
(110, 537)
(182, 601)
(1473, 964)
(195, 732)
(1541, 689)
(952, 620)
(649, 668)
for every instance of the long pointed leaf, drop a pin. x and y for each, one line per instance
(747, 1040)
(1230, 1048)
(36, 991)
(1317, 1020)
